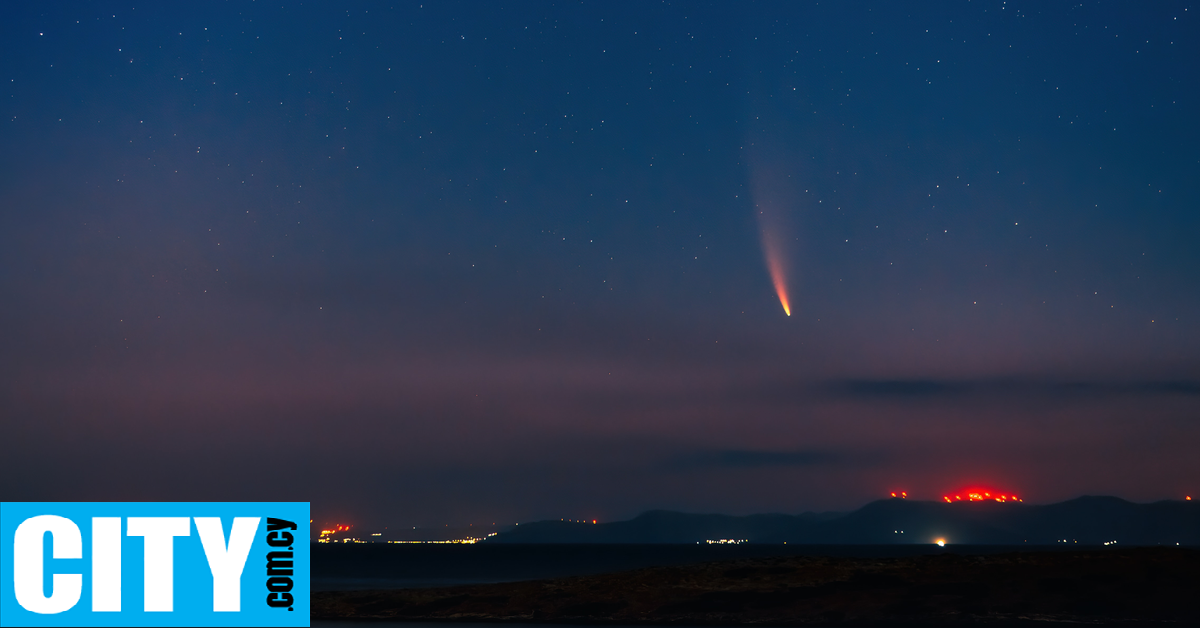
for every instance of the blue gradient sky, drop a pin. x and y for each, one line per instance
(438, 262)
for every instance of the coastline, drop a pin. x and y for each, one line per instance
(1136, 586)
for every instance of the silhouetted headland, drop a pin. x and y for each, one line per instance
(1083, 521)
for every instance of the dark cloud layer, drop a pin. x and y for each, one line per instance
(742, 459)
(921, 389)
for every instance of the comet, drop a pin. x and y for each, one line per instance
(773, 196)
(773, 254)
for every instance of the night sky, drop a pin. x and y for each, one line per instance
(470, 262)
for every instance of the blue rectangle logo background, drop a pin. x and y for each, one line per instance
(193, 579)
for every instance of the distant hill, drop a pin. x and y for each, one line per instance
(1085, 521)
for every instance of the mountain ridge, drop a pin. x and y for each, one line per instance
(1085, 520)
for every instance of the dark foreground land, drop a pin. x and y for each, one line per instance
(1140, 586)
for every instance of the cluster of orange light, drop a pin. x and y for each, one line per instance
(981, 496)
(901, 495)
(336, 528)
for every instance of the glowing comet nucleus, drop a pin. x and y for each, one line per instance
(776, 267)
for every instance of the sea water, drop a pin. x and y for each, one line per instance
(402, 566)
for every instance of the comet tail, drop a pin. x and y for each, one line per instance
(775, 266)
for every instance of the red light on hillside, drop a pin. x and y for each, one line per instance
(1187, 498)
(981, 495)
